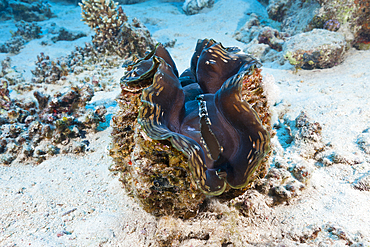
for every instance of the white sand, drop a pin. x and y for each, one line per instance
(73, 200)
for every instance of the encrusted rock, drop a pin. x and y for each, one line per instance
(317, 49)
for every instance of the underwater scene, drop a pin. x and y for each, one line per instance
(225, 123)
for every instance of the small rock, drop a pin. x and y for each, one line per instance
(78, 147)
(192, 7)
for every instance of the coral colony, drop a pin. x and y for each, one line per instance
(114, 35)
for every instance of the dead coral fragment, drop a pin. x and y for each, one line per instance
(4, 95)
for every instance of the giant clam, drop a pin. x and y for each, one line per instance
(201, 113)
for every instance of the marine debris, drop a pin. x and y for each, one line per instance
(176, 139)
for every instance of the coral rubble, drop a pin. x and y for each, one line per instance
(24, 33)
(32, 130)
(297, 147)
(152, 170)
(39, 127)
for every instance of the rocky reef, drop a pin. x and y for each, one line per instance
(164, 170)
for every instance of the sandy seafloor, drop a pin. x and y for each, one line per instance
(74, 200)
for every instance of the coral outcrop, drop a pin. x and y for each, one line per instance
(114, 35)
(155, 172)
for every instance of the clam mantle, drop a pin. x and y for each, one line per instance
(202, 112)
